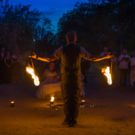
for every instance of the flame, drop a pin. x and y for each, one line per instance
(12, 102)
(83, 101)
(31, 71)
(52, 99)
(106, 71)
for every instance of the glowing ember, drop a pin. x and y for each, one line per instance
(83, 101)
(82, 104)
(52, 99)
(31, 71)
(107, 73)
(12, 103)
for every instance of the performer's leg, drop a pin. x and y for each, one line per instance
(71, 105)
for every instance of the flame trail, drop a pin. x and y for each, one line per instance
(31, 71)
(106, 71)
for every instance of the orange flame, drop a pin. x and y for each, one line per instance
(31, 71)
(106, 71)
(52, 99)
(12, 102)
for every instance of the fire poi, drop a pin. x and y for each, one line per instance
(31, 71)
(52, 98)
(106, 71)
(12, 103)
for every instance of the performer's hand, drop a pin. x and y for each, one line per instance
(33, 56)
(109, 56)
(47, 59)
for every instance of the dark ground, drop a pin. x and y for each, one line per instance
(108, 111)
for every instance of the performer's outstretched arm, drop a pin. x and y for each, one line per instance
(52, 58)
(39, 58)
(87, 56)
(44, 59)
(102, 58)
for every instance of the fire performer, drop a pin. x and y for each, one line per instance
(70, 56)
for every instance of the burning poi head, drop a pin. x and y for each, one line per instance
(12, 103)
(31, 71)
(52, 99)
(106, 71)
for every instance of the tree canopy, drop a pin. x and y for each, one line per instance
(21, 27)
(102, 23)
(108, 23)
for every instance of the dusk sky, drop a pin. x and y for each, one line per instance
(52, 8)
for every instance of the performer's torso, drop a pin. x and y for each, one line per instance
(71, 59)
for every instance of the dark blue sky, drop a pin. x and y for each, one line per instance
(53, 8)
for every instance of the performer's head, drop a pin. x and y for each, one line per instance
(71, 37)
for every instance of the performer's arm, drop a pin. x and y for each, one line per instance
(89, 57)
(39, 58)
(102, 58)
(52, 58)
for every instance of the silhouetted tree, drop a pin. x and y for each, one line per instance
(21, 26)
(102, 23)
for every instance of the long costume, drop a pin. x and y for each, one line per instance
(70, 56)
